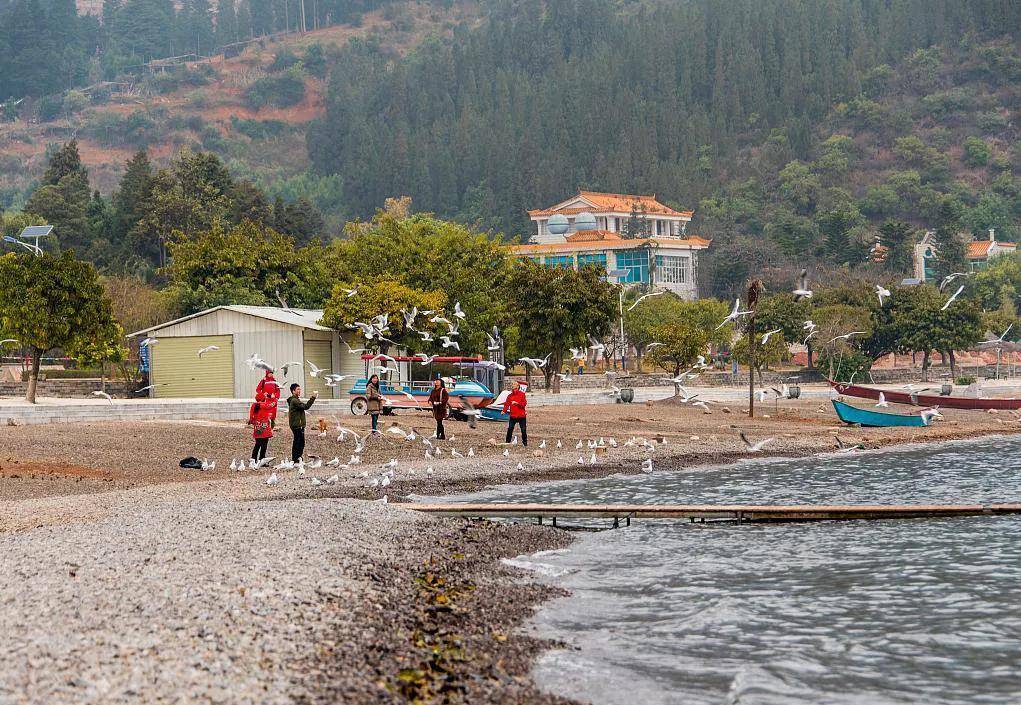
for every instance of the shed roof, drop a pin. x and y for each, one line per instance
(300, 317)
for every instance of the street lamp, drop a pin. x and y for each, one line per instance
(620, 275)
(32, 231)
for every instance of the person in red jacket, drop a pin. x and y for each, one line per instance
(268, 385)
(515, 405)
(260, 417)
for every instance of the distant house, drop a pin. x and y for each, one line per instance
(635, 234)
(981, 251)
(978, 254)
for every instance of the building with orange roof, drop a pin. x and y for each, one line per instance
(642, 239)
(978, 254)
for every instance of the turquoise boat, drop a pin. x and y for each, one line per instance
(868, 417)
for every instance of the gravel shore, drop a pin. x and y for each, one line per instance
(125, 579)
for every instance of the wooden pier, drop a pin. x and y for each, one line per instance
(713, 512)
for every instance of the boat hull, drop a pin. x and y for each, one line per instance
(879, 419)
(947, 402)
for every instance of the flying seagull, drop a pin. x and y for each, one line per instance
(802, 292)
(644, 297)
(734, 314)
(882, 293)
(448, 343)
(208, 348)
(952, 298)
(950, 277)
(754, 447)
(458, 312)
(314, 371)
(100, 393)
(770, 333)
(845, 336)
(990, 338)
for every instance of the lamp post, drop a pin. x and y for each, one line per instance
(33, 231)
(620, 275)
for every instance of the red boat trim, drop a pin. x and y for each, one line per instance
(914, 399)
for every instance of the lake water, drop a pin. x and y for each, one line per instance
(897, 611)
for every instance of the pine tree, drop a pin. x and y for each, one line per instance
(65, 161)
(133, 197)
(950, 246)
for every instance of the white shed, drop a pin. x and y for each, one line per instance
(277, 335)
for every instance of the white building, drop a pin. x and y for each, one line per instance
(636, 234)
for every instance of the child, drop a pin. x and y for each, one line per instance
(260, 417)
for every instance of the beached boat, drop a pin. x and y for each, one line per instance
(921, 399)
(870, 417)
(407, 394)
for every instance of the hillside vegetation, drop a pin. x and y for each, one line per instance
(800, 132)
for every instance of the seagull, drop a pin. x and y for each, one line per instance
(535, 362)
(578, 354)
(647, 465)
(950, 277)
(100, 393)
(596, 345)
(761, 394)
(448, 343)
(882, 294)
(846, 336)
(440, 319)
(768, 334)
(288, 365)
(353, 351)
(592, 459)
(703, 406)
(734, 314)
(208, 348)
(990, 340)
(581, 460)
(458, 311)
(802, 292)
(559, 444)
(642, 298)
(543, 444)
(506, 452)
(314, 371)
(650, 346)
(426, 336)
(409, 318)
(928, 415)
(565, 378)
(145, 342)
(491, 343)
(952, 298)
(272, 480)
(352, 292)
(882, 403)
(754, 447)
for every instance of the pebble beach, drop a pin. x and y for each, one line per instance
(126, 579)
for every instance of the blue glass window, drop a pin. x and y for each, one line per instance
(563, 261)
(598, 259)
(636, 262)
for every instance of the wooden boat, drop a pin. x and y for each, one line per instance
(868, 417)
(919, 399)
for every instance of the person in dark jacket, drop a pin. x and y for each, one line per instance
(260, 418)
(296, 409)
(516, 405)
(439, 400)
(374, 401)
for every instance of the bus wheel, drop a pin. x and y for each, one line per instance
(359, 406)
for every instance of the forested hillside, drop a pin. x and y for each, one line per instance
(659, 98)
(798, 131)
(46, 47)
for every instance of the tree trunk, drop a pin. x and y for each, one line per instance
(953, 366)
(925, 366)
(809, 347)
(33, 374)
(552, 381)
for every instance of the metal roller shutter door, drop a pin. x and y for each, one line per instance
(320, 354)
(179, 372)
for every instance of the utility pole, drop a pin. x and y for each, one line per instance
(754, 287)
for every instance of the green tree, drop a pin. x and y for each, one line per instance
(682, 344)
(899, 240)
(51, 302)
(243, 264)
(642, 323)
(555, 308)
(950, 248)
(385, 296)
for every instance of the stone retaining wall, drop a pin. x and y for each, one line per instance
(65, 388)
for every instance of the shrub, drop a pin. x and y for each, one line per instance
(283, 60)
(75, 101)
(976, 152)
(965, 381)
(991, 122)
(282, 90)
(846, 362)
(50, 107)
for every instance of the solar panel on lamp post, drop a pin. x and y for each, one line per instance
(34, 249)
